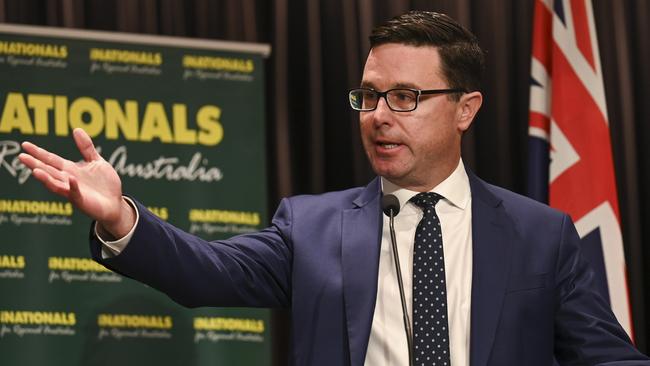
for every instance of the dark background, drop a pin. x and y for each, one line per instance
(318, 51)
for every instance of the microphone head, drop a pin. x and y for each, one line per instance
(390, 203)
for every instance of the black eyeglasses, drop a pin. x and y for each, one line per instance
(398, 100)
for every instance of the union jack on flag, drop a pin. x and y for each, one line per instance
(570, 155)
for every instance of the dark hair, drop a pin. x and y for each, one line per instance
(462, 59)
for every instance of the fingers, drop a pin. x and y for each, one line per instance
(85, 145)
(32, 164)
(44, 156)
(74, 194)
(53, 185)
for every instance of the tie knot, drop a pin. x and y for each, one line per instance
(426, 199)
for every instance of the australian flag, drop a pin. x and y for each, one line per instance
(570, 156)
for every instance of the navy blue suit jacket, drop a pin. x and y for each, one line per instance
(532, 292)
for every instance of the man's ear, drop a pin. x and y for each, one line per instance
(468, 106)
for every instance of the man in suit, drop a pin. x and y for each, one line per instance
(501, 280)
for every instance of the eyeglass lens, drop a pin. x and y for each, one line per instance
(397, 99)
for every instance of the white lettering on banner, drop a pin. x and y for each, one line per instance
(207, 228)
(166, 168)
(15, 168)
(119, 333)
(215, 337)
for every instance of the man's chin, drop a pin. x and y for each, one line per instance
(390, 173)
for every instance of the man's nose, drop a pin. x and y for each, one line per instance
(382, 114)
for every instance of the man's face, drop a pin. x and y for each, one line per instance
(417, 149)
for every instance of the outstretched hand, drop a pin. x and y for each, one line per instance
(92, 185)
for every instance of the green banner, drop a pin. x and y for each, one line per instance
(182, 122)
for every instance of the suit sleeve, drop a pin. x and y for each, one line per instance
(252, 270)
(587, 332)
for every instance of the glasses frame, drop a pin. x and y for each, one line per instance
(384, 94)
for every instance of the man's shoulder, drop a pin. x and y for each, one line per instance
(516, 204)
(343, 199)
(536, 224)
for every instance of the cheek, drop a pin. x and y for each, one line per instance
(432, 136)
(365, 127)
(363, 119)
(366, 133)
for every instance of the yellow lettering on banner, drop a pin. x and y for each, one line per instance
(61, 115)
(207, 119)
(229, 324)
(90, 107)
(155, 124)
(116, 117)
(224, 216)
(134, 321)
(31, 114)
(36, 207)
(161, 212)
(41, 104)
(218, 63)
(75, 264)
(12, 261)
(15, 115)
(37, 317)
(182, 135)
(33, 49)
(126, 56)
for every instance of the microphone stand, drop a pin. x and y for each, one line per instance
(407, 321)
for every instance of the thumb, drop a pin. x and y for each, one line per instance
(85, 145)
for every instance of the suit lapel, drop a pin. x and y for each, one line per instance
(361, 240)
(492, 237)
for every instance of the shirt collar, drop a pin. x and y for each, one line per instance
(455, 188)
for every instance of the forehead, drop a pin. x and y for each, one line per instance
(393, 65)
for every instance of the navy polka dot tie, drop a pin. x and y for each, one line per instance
(430, 326)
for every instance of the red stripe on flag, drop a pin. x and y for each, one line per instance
(539, 120)
(581, 26)
(542, 35)
(591, 180)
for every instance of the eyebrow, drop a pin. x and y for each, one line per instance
(405, 85)
(366, 84)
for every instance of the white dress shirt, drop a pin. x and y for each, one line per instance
(387, 344)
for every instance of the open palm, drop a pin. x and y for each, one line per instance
(92, 185)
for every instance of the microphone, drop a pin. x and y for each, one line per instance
(390, 207)
(390, 203)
